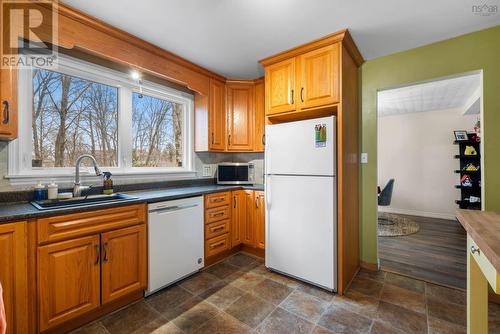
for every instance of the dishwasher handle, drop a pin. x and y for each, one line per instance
(172, 208)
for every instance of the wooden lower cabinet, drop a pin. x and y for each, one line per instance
(260, 220)
(124, 264)
(92, 273)
(245, 228)
(238, 217)
(248, 229)
(13, 275)
(68, 280)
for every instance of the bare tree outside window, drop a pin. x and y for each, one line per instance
(72, 116)
(157, 132)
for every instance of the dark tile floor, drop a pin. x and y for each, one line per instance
(239, 295)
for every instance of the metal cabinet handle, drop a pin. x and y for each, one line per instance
(212, 137)
(218, 199)
(105, 246)
(301, 93)
(98, 254)
(264, 139)
(474, 250)
(229, 140)
(292, 97)
(6, 112)
(257, 202)
(234, 202)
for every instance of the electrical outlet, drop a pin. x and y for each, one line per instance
(364, 158)
(207, 170)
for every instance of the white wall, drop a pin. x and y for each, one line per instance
(416, 149)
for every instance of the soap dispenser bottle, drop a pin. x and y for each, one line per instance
(107, 183)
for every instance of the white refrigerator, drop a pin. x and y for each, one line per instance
(301, 200)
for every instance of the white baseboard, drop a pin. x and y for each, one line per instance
(448, 216)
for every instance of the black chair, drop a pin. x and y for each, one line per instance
(385, 196)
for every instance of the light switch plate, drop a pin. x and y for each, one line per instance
(207, 170)
(364, 158)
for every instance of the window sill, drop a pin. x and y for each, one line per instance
(66, 179)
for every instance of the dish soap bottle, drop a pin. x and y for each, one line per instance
(107, 183)
(39, 194)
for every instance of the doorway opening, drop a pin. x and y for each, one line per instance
(429, 165)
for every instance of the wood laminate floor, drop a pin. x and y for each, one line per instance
(437, 253)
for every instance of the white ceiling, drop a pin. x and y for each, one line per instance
(455, 93)
(230, 36)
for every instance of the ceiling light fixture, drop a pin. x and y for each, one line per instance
(135, 75)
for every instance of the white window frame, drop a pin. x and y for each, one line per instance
(20, 150)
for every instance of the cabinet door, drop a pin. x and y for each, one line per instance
(280, 87)
(260, 117)
(8, 107)
(68, 280)
(259, 218)
(13, 275)
(240, 116)
(217, 116)
(319, 77)
(249, 225)
(238, 217)
(124, 265)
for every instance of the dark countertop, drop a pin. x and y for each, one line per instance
(21, 211)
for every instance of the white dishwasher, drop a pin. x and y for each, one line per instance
(176, 238)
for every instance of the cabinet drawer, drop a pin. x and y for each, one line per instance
(217, 245)
(73, 225)
(487, 268)
(217, 199)
(217, 228)
(216, 214)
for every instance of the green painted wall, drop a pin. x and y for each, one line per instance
(466, 53)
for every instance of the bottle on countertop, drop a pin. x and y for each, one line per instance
(52, 190)
(39, 194)
(107, 183)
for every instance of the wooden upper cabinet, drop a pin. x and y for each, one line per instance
(260, 220)
(9, 103)
(248, 228)
(238, 217)
(124, 268)
(217, 116)
(319, 77)
(13, 275)
(260, 117)
(68, 280)
(280, 89)
(240, 116)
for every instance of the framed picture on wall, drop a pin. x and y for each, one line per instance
(461, 135)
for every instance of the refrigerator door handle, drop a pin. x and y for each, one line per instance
(268, 192)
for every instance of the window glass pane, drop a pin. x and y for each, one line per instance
(157, 132)
(71, 117)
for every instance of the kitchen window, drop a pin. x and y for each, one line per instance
(133, 128)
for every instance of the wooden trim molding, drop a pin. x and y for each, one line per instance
(81, 17)
(340, 36)
(369, 266)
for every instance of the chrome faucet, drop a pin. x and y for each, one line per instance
(78, 188)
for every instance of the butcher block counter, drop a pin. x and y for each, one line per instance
(483, 264)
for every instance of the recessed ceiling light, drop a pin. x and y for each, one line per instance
(135, 75)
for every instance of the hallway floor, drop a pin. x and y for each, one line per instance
(240, 295)
(436, 253)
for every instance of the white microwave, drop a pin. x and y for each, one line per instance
(235, 173)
